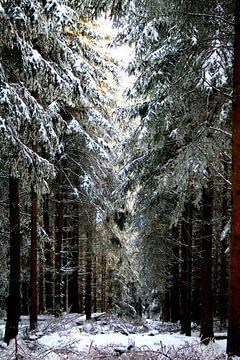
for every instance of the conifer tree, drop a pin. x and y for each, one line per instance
(233, 341)
(182, 102)
(47, 73)
(14, 297)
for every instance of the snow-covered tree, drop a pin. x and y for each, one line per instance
(52, 88)
(233, 347)
(182, 100)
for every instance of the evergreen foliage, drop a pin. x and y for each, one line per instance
(55, 86)
(120, 221)
(181, 100)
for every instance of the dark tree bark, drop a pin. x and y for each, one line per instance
(110, 291)
(14, 297)
(42, 308)
(174, 291)
(186, 270)
(223, 291)
(103, 280)
(73, 280)
(88, 284)
(81, 265)
(59, 225)
(206, 332)
(166, 306)
(33, 263)
(94, 284)
(233, 341)
(49, 256)
(66, 235)
(139, 307)
(196, 312)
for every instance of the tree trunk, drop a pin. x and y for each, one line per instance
(59, 224)
(49, 256)
(139, 307)
(73, 278)
(206, 332)
(88, 287)
(94, 284)
(41, 280)
(174, 291)
(66, 236)
(186, 270)
(103, 280)
(14, 297)
(233, 341)
(196, 312)
(166, 306)
(33, 270)
(110, 290)
(81, 266)
(223, 291)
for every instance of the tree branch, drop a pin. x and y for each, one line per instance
(222, 131)
(209, 16)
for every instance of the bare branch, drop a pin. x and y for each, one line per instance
(222, 131)
(231, 23)
(218, 90)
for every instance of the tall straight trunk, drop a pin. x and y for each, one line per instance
(110, 290)
(49, 256)
(103, 280)
(14, 297)
(186, 270)
(88, 284)
(94, 284)
(206, 331)
(166, 306)
(81, 265)
(33, 263)
(233, 341)
(65, 258)
(41, 281)
(25, 297)
(33, 260)
(59, 225)
(174, 291)
(139, 307)
(215, 275)
(223, 291)
(196, 312)
(73, 278)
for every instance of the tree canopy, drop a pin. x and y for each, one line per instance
(142, 188)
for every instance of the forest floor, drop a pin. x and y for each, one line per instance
(107, 336)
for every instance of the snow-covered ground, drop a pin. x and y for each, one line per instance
(108, 337)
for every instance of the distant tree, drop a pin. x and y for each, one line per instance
(88, 271)
(48, 253)
(4, 245)
(186, 269)
(59, 241)
(175, 276)
(206, 296)
(34, 260)
(224, 258)
(33, 256)
(233, 341)
(103, 280)
(14, 297)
